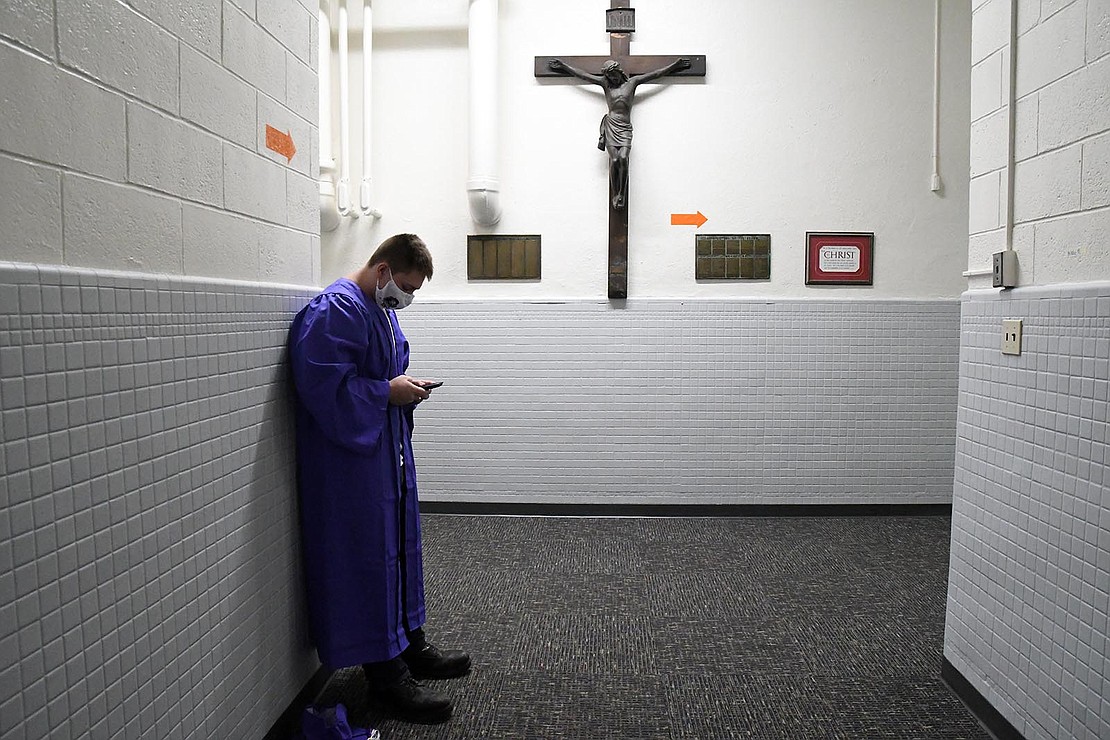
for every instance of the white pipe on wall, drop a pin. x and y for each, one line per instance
(343, 195)
(329, 214)
(1011, 115)
(483, 186)
(934, 183)
(367, 118)
(326, 16)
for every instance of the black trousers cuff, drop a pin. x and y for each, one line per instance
(385, 672)
(417, 641)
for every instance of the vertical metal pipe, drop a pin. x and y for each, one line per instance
(1011, 115)
(343, 194)
(325, 89)
(364, 191)
(329, 214)
(483, 186)
(934, 183)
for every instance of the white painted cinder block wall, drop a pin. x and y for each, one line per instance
(150, 583)
(1029, 586)
(133, 137)
(1061, 154)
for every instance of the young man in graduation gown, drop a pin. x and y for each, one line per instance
(360, 518)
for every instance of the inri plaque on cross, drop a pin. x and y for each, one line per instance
(618, 74)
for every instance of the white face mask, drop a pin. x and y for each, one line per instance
(391, 296)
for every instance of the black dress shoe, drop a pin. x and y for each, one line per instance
(428, 661)
(409, 700)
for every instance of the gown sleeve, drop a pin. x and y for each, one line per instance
(351, 410)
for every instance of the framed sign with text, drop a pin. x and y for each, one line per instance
(839, 258)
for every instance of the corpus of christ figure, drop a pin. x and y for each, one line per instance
(616, 126)
(618, 74)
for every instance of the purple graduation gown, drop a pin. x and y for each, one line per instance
(360, 525)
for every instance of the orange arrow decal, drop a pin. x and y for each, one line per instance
(688, 219)
(280, 142)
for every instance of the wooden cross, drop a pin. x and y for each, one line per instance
(620, 23)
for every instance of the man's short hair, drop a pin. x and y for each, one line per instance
(404, 253)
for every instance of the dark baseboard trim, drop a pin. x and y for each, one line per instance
(989, 717)
(680, 510)
(289, 722)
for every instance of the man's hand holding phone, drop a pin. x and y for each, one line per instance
(404, 390)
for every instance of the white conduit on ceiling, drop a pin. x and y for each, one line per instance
(367, 118)
(329, 215)
(343, 194)
(483, 186)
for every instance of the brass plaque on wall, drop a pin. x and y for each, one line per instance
(732, 257)
(503, 257)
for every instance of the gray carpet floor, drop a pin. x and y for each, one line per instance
(807, 627)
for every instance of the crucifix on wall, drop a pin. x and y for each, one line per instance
(618, 75)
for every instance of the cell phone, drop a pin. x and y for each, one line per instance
(429, 386)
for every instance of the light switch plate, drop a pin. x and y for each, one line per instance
(1011, 336)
